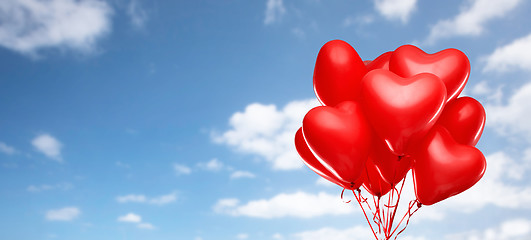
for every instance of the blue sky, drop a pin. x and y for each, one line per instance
(130, 119)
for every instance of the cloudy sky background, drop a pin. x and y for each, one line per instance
(130, 119)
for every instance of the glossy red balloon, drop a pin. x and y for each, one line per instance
(373, 181)
(381, 62)
(464, 118)
(450, 65)
(391, 167)
(444, 168)
(313, 163)
(402, 109)
(338, 73)
(340, 138)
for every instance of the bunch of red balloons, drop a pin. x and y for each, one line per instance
(381, 118)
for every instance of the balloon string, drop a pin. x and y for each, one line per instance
(387, 213)
(396, 206)
(342, 196)
(361, 206)
(408, 214)
(364, 199)
(377, 213)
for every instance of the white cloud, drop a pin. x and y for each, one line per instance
(144, 225)
(137, 15)
(49, 146)
(131, 198)
(31, 25)
(353, 233)
(164, 199)
(130, 217)
(181, 169)
(278, 236)
(140, 198)
(212, 165)
(298, 32)
(46, 187)
(242, 174)
(488, 92)
(274, 11)
(135, 218)
(482, 88)
(242, 236)
(268, 132)
(514, 229)
(63, 214)
(122, 165)
(514, 55)
(472, 19)
(358, 20)
(512, 119)
(7, 149)
(396, 9)
(299, 205)
(325, 183)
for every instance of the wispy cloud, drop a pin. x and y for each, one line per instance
(63, 214)
(472, 19)
(241, 174)
(325, 183)
(130, 217)
(242, 236)
(4, 148)
(49, 146)
(298, 205)
(512, 118)
(274, 11)
(164, 199)
(137, 15)
(181, 169)
(145, 225)
(514, 55)
(47, 187)
(358, 20)
(268, 132)
(353, 233)
(135, 218)
(513, 229)
(140, 198)
(31, 25)
(396, 9)
(122, 165)
(213, 165)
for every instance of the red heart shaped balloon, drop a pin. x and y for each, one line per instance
(392, 168)
(340, 138)
(381, 62)
(444, 168)
(464, 118)
(450, 65)
(373, 181)
(314, 164)
(402, 109)
(337, 74)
